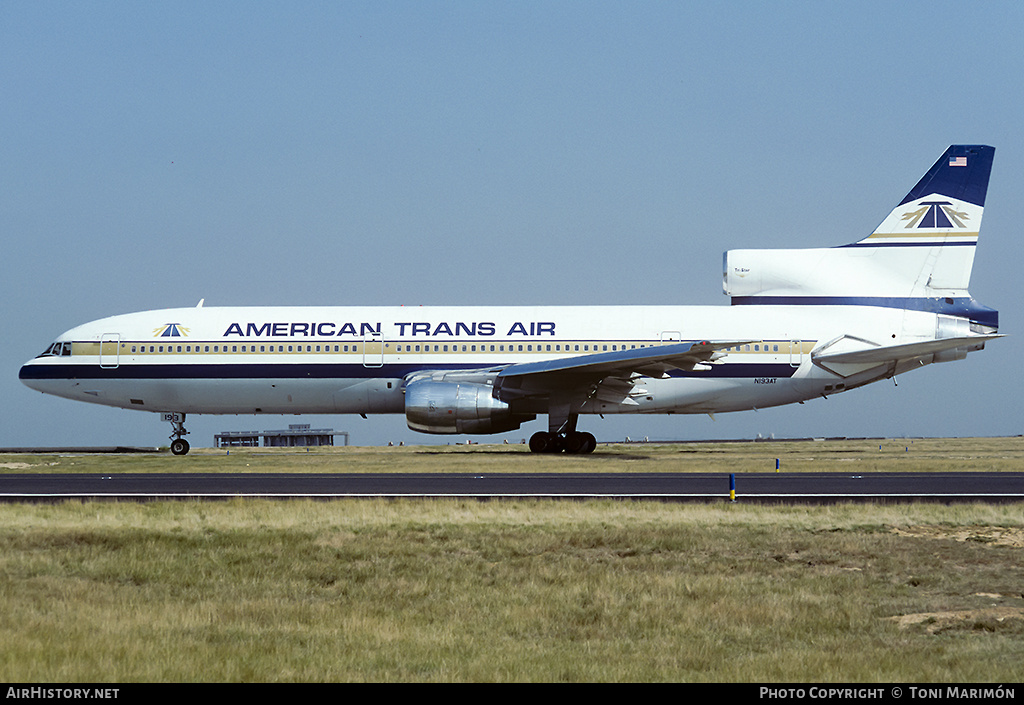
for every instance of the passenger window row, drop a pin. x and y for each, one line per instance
(397, 347)
(64, 349)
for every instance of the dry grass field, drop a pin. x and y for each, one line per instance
(866, 455)
(373, 590)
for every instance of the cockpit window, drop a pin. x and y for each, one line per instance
(57, 350)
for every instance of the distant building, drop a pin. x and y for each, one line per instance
(236, 439)
(299, 434)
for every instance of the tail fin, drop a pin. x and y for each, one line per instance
(923, 249)
(940, 217)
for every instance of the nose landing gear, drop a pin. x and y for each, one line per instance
(179, 446)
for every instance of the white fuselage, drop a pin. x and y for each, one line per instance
(293, 360)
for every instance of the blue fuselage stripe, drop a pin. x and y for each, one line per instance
(329, 371)
(960, 307)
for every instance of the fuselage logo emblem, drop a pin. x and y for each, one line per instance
(170, 330)
(936, 214)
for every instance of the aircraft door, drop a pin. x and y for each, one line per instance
(796, 353)
(373, 349)
(110, 350)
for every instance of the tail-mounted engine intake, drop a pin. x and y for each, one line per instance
(457, 407)
(953, 327)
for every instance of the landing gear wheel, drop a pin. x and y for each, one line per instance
(575, 442)
(542, 442)
(179, 446)
(580, 442)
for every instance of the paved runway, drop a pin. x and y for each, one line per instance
(750, 487)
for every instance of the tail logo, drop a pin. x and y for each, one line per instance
(170, 330)
(935, 214)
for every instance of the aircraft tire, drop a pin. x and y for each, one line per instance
(544, 442)
(540, 442)
(179, 446)
(580, 442)
(590, 443)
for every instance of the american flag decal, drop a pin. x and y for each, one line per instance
(958, 161)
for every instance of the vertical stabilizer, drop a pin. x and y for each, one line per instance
(934, 230)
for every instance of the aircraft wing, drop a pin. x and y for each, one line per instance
(617, 371)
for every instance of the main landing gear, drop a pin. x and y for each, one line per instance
(179, 446)
(562, 436)
(574, 442)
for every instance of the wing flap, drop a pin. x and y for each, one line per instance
(624, 366)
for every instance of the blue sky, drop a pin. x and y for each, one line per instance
(305, 153)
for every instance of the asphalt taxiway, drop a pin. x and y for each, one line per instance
(992, 487)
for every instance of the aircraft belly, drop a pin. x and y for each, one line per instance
(374, 396)
(202, 396)
(709, 395)
(240, 396)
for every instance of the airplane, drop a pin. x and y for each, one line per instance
(802, 324)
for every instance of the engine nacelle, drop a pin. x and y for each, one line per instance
(457, 407)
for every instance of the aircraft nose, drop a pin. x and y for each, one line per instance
(27, 376)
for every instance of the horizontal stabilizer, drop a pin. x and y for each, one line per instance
(890, 353)
(923, 249)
